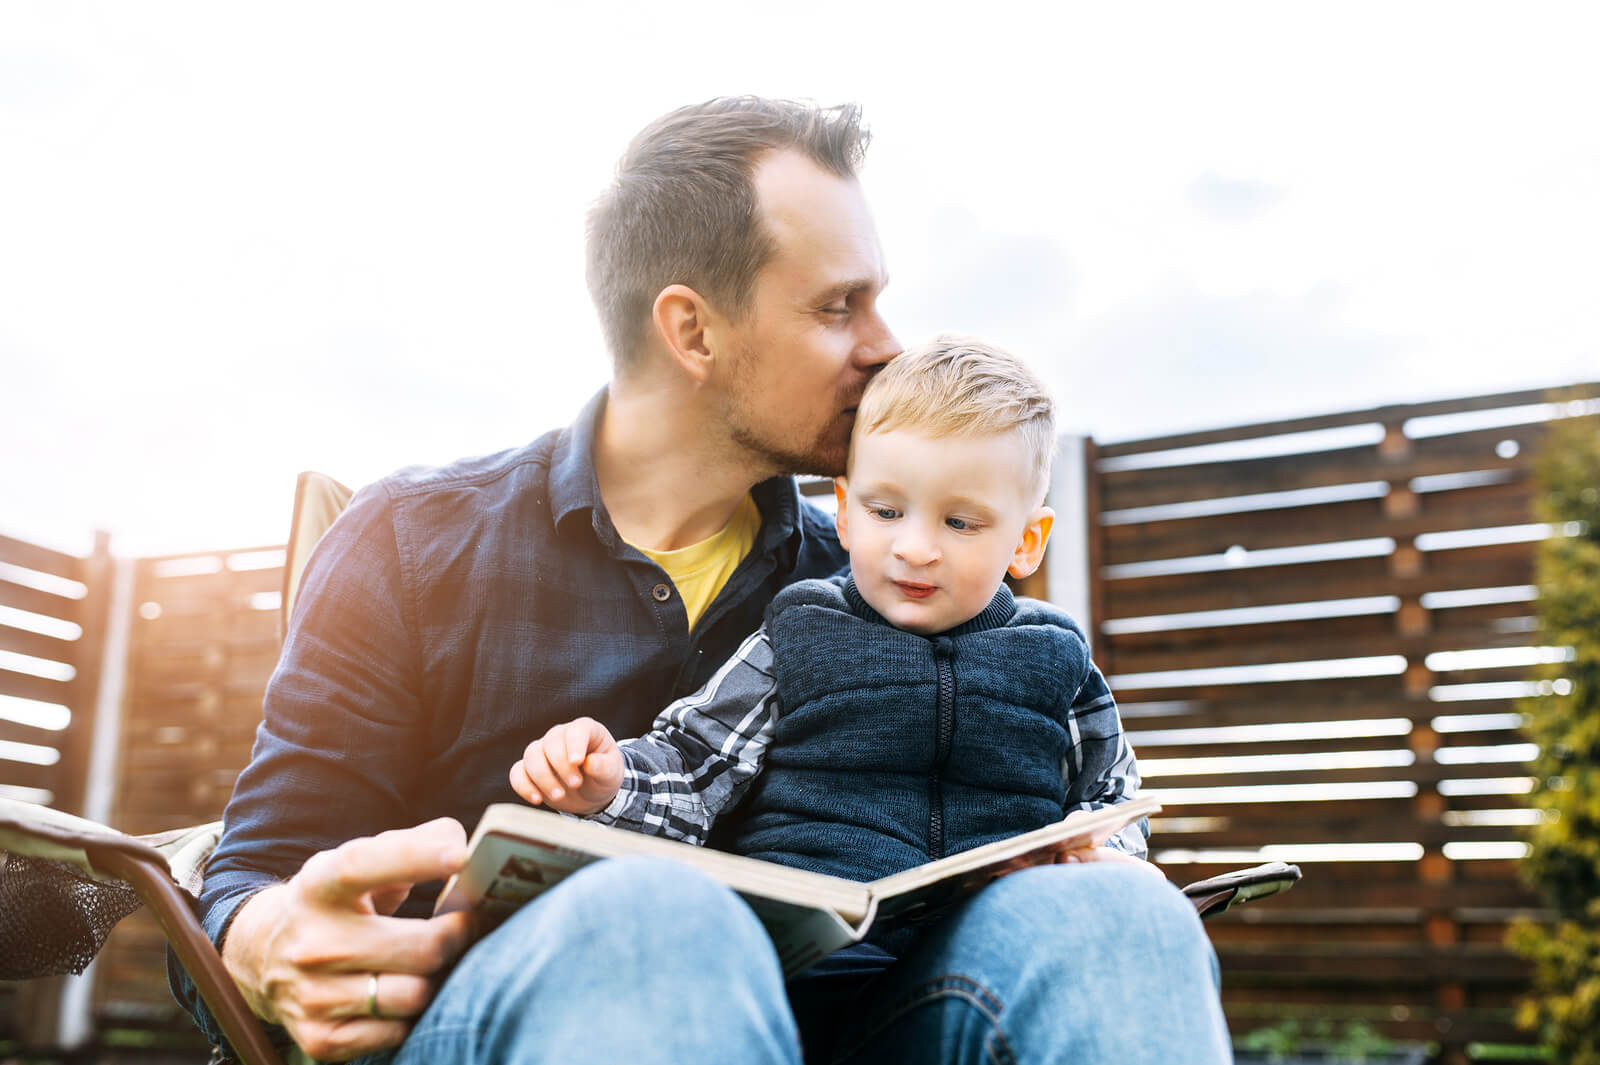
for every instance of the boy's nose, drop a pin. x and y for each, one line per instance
(916, 550)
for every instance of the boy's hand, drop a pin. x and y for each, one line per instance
(575, 768)
(1102, 853)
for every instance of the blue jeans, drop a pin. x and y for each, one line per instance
(638, 960)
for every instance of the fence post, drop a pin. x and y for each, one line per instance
(1067, 572)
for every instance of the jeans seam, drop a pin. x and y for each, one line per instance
(996, 1048)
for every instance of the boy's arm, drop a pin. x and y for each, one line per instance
(1100, 769)
(702, 751)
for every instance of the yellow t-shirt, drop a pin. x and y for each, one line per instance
(700, 570)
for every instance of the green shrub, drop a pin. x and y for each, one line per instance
(1563, 862)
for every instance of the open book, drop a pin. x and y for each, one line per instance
(519, 852)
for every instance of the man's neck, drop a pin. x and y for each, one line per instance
(667, 480)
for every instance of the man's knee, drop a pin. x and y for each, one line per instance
(1092, 900)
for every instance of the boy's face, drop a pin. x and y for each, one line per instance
(933, 524)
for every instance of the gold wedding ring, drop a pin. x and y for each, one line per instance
(372, 995)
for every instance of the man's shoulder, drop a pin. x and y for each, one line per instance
(513, 465)
(821, 555)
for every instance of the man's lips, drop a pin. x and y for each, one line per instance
(914, 590)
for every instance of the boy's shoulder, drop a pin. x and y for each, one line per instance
(817, 591)
(1039, 612)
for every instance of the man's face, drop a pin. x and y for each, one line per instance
(933, 523)
(812, 337)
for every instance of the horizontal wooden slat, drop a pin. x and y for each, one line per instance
(1270, 651)
(37, 645)
(1267, 833)
(37, 601)
(17, 732)
(1432, 456)
(1319, 706)
(1365, 964)
(1457, 627)
(1417, 773)
(41, 559)
(1491, 566)
(1231, 747)
(1391, 414)
(1480, 507)
(26, 775)
(1288, 691)
(27, 686)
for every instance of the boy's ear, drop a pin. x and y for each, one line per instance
(841, 495)
(683, 321)
(1030, 549)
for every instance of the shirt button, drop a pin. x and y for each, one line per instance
(661, 593)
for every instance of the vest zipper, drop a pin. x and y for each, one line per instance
(945, 725)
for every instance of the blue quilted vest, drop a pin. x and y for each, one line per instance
(894, 749)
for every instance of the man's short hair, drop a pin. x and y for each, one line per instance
(683, 211)
(962, 386)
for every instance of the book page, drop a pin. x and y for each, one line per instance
(926, 890)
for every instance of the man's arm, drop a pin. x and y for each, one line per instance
(299, 922)
(702, 751)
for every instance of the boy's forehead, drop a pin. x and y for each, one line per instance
(887, 451)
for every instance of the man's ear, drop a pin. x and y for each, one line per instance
(841, 496)
(682, 319)
(1030, 549)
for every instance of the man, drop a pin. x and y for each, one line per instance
(452, 615)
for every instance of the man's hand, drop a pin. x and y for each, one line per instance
(576, 768)
(303, 953)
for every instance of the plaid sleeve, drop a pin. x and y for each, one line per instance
(1099, 769)
(702, 751)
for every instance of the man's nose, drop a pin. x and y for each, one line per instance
(878, 344)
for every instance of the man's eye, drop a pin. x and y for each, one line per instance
(839, 309)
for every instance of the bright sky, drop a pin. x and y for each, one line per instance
(238, 241)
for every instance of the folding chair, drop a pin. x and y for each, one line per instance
(65, 881)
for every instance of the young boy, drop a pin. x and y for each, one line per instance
(911, 710)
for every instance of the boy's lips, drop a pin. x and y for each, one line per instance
(914, 590)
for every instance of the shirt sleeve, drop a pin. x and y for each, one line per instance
(702, 752)
(1100, 769)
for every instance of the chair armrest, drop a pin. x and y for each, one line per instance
(66, 864)
(1219, 893)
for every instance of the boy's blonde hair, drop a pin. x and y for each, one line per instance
(962, 386)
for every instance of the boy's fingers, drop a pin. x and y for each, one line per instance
(604, 767)
(543, 775)
(522, 784)
(578, 741)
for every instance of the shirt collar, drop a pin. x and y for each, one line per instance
(575, 487)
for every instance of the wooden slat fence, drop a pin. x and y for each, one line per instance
(1317, 630)
(203, 643)
(52, 627)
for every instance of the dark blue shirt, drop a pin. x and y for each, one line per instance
(447, 619)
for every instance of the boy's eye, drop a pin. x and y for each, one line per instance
(883, 513)
(961, 524)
